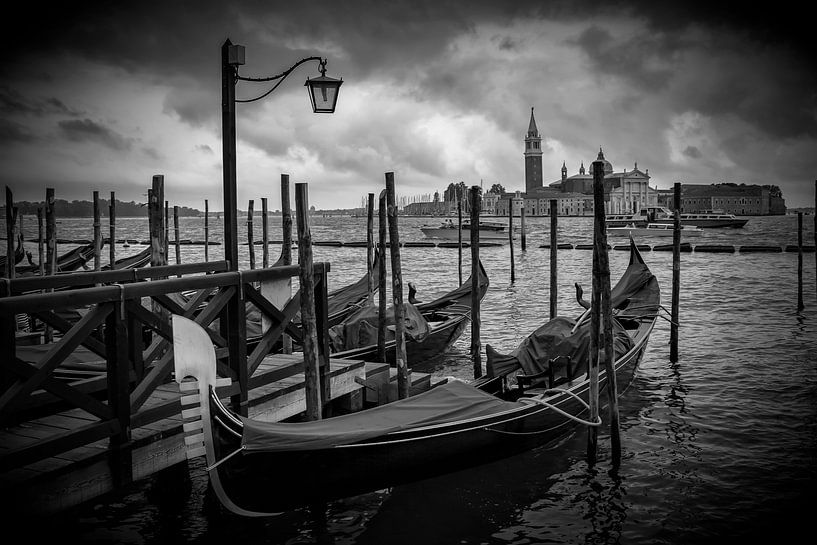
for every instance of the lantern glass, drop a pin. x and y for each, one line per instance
(323, 93)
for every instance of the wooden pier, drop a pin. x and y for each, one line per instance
(72, 431)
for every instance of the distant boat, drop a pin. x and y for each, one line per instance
(655, 230)
(709, 219)
(488, 230)
(659, 214)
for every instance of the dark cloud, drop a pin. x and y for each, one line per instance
(12, 132)
(13, 102)
(692, 152)
(85, 130)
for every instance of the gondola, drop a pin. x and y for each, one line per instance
(431, 328)
(265, 468)
(19, 254)
(70, 261)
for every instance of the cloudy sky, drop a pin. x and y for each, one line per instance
(102, 96)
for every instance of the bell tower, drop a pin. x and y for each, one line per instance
(533, 156)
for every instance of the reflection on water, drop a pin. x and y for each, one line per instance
(717, 448)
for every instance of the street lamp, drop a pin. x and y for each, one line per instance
(323, 94)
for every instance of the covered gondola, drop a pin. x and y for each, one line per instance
(261, 468)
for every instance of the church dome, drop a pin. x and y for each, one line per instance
(608, 168)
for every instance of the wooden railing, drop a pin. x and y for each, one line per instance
(125, 323)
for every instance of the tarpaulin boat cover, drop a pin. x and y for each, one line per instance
(635, 295)
(360, 329)
(450, 402)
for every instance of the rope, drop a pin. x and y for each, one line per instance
(212, 467)
(542, 402)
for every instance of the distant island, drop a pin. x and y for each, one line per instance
(85, 209)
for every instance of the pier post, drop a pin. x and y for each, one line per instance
(397, 292)
(676, 275)
(97, 234)
(250, 233)
(524, 244)
(286, 242)
(306, 277)
(167, 231)
(10, 238)
(50, 232)
(176, 235)
(112, 230)
(286, 221)
(40, 241)
(264, 233)
(510, 237)
(475, 277)
(554, 285)
(370, 248)
(156, 195)
(206, 230)
(800, 305)
(459, 232)
(381, 303)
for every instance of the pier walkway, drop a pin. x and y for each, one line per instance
(95, 407)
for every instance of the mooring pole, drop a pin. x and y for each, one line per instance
(206, 230)
(476, 349)
(286, 242)
(264, 233)
(397, 293)
(40, 241)
(510, 236)
(177, 243)
(250, 233)
(596, 351)
(800, 305)
(554, 285)
(11, 255)
(524, 244)
(310, 330)
(112, 230)
(50, 231)
(381, 254)
(459, 232)
(606, 311)
(156, 221)
(370, 248)
(286, 221)
(97, 234)
(676, 276)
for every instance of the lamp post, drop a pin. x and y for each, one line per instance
(323, 94)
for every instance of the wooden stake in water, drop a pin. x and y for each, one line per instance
(601, 270)
(554, 286)
(250, 233)
(176, 235)
(264, 233)
(11, 255)
(475, 277)
(676, 275)
(97, 234)
(286, 241)
(524, 244)
(286, 221)
(167, 230)
(397, 292)
(510, 237)
(206, 230)
(40, 241)
(50, 232)
(370, 248)
(459, 232)
(156, 222)
(800, 305)
(381, 255)
(306, 277)
(112, 233)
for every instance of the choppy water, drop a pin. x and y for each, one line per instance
(720, 447)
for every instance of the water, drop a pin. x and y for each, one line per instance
(720, 447)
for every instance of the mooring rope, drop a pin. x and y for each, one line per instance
(542, 402)
(212, 467)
